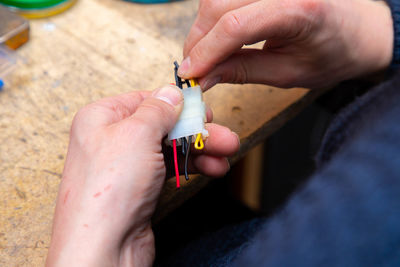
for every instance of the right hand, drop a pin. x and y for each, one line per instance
(309, 43)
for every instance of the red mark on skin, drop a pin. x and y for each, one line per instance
(108, 187)
(66, 196)
(86, 226)
(97, 194)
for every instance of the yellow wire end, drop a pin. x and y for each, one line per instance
(199, 144)
(193, 82)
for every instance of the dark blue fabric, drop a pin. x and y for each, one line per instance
(395, 9)
(348, 214)
(216, 249)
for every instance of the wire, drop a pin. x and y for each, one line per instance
(199, 144)
(187, 157)
(193, 82)
(186, 143)
(183, 143)
(176, 164)
(178, 80)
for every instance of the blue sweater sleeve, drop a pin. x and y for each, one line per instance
(348, 214)
(395, 9)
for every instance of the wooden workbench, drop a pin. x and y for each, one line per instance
(96, 49)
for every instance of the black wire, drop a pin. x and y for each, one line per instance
(178, 81)
(187, 157)
(183, 143)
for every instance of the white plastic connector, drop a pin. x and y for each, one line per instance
(193, 116)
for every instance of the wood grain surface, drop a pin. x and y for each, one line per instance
(100, 48)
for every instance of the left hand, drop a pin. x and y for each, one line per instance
(113, 176)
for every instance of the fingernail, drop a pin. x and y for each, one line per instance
(211, 82)
(184, 67)
(170, 94)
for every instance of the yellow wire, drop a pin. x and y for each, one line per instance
(199, 144)
(193, 82)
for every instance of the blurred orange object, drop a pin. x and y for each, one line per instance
(14, 30)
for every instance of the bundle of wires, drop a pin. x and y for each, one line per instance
(184, 141)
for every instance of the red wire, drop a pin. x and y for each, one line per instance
(176, 163)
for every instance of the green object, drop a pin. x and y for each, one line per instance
(150, 1)
(32, 4)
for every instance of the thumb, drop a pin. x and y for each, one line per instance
(159, 112)
(253, 66)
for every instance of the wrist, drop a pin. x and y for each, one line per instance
(87, 236)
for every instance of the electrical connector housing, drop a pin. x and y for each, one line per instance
(193, 117)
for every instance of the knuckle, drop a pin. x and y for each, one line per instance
(140, 125)
(206, 5)
(79, 130)
(308, 8)
(198, 54)
(140, 128)
(210, 7)
(154, 111)
(232, 25)
(309, 5)
(240, 73)
(154, 114)
(288, 81)
(81, 116)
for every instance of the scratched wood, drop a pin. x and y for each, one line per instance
(96, 49)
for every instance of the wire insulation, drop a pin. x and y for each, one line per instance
(193, 82)
(183, 144)
(189, 143)
(176, 164)
(199, 144)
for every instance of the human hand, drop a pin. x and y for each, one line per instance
(309, 43)
(113, 176)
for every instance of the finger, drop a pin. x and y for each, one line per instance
(211, 166)
(221, 142)
(256, 66)
(204, 164)
(108, 110)
(123, 105)
(209, 114)
(247, 25)
(158, 113)
(210, 11)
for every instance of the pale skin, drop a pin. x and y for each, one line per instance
(115, 167)
(308, 43)
(113, 175)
